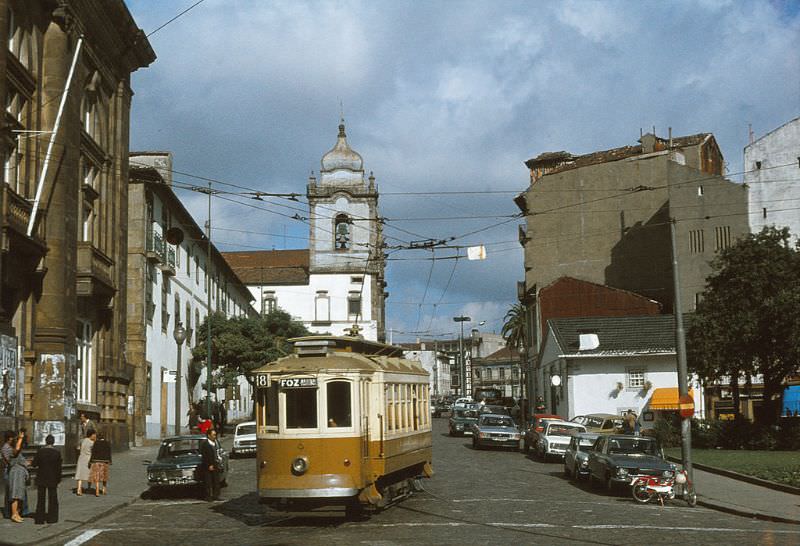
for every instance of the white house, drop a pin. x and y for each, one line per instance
(611, 365)
(772, 171)
(436, 362)
(169, 284)
(339, 280)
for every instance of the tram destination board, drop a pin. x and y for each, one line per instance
(299, 383)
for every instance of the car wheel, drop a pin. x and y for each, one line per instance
(527, 448)
(593, 481)
(575, 476)
(610, 485)
(567, 473)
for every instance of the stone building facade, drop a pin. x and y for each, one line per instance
(339, 280)
(66, 87)
(605, 218)
(170, 284)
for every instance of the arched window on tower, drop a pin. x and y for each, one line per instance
(342, 232)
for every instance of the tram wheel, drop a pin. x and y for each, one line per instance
(354, 511)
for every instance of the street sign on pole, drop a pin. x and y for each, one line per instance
(686, 406)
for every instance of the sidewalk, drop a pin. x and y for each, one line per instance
(127, 482)
(745, 499)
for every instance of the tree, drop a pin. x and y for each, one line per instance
(749, 320)
(513, 330)
(241, 344)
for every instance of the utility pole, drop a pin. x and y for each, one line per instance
(462, 367)
(208, 303)
(680, 336)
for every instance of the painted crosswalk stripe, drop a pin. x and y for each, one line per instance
(84, 537)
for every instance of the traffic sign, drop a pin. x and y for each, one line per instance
(686, 406)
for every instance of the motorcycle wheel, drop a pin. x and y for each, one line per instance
(640, 493)
(690, 495)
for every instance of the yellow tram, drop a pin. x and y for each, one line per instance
(341, 421)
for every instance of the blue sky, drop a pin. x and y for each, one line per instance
(441, 97)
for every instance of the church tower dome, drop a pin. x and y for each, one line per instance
(342, 156)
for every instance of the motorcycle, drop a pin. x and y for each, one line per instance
(645, 488)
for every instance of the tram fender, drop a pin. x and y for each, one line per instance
(370, 495)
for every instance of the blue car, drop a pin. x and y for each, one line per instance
(576, 457)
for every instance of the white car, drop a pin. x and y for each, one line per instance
(244, 439)
(463, 402)
(555, 438)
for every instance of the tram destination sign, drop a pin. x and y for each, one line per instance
(299, 383)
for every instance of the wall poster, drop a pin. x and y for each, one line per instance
(42, 428)
(8, 376)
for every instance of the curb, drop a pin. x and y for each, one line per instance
(745, 513)
(742, 477)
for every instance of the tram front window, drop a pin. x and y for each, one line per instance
(339, 414)
(301, 408)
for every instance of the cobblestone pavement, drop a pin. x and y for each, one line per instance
(476, 497)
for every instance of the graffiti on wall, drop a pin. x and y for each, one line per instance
(8, 376)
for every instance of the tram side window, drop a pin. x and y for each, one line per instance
(301, 408)
(389, 407)
(268, 406)
(339, 406)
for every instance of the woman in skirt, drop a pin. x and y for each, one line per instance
(100, 461)
(17, 479)
(82, 466)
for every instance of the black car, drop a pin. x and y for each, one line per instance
(461, 420)
(178, 461)
(617, 458)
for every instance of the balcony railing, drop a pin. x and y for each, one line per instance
(16, 214)
(94, 272)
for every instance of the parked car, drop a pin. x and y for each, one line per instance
(536, 427)
(494, 429)
(576, 457)
(602, 423)
(461, 420)
(244, 439)
(177, 463)
(617, 458)
(554, 439)
(496, 409)
(463, 402)
(440, 407)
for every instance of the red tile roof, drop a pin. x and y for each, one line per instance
(270, 266)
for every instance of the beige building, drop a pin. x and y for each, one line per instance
(63, 204)
(604, 217)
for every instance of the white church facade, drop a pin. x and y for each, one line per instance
(338, 281)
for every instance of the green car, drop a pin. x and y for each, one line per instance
(462, 419)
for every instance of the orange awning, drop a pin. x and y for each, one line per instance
(666, 398)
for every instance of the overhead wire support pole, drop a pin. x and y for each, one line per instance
(53, 135)
(208, 304)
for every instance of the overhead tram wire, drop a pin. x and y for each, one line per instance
(176, 17)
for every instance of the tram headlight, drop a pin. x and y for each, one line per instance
(299, 466)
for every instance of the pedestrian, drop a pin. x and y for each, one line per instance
(82, 466)
(628, 422)
(223, 418)
(211, 464)
(18, 478)
(193, 419)
(99, 462)
(86, 425)
(48, 475)
(6, 454)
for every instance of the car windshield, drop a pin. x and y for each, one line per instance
(175, 448)
(632, 446)
(557, 429)
(245, 429)
(585, 443)
(466, 413)
(495, 421)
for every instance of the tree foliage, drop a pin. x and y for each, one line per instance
(513, 330)
(748, 322)
(242, 344)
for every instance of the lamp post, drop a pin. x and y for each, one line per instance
(462, 368)
(179, 333)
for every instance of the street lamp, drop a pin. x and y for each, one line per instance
(179, 333)
(462, 319)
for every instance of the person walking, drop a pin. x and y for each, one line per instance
(223, 417)
(628, 422)
(100, 462)
(82, 466)
(6, 454)
(18, 478)
(48, 475)
(211, 465)
(193, 419)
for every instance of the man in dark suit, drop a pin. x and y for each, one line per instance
(48, 475)
(210, 467)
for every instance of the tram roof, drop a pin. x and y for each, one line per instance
(320, 353)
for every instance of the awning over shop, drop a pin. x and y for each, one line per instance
(666, 398)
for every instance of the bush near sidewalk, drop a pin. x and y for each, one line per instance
(734, 434)
(775, 466)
